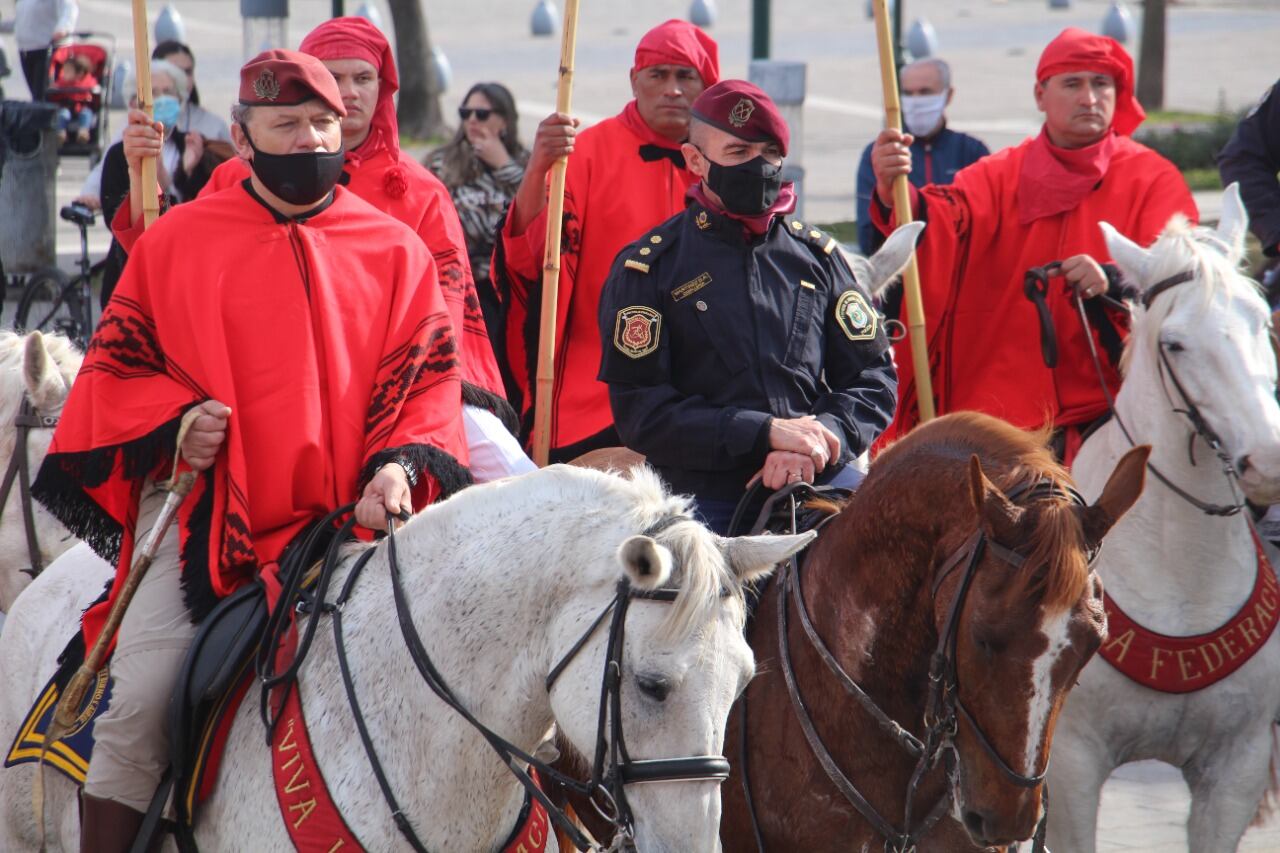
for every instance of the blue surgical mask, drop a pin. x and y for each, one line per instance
(166, 110)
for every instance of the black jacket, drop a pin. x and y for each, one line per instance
(1252, 158)
(706, 336)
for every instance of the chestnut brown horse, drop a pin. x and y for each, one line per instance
(966, 530)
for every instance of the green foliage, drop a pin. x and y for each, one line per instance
(845, 231)
(1189, 140)
(1202, 179)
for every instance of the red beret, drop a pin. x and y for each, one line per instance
(1078, 50)
(285, 78)
(743, 110)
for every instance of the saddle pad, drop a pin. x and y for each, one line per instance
(69, 756)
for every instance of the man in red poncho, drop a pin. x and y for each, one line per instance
(360, 59)
(626, 175)
(1024, 207)
(310, 334)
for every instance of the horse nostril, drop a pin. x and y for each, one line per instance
(1243, 464)
(976, 824)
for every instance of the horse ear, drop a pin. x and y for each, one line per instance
(1121, 492)
(45, 386)
(647, 564)
(892, 258)
(995, 512)
(1233, 223)
(753, 557)
(1128, 255)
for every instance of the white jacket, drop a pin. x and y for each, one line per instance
(36, 21)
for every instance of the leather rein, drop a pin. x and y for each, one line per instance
(19, 471)
(612, 767)
(1199, 426)
(944, 707)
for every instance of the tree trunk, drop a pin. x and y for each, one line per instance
(1151, 59)
(419, 108)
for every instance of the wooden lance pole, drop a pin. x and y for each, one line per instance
(146, 103)
(551, 254)
(902, 214)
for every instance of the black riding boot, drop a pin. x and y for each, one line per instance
(107, 826)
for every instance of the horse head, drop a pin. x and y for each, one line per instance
(1028, 622)
(36, 370)
(1199, 361)
(683, 664)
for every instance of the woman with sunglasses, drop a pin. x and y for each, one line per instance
(482, 167)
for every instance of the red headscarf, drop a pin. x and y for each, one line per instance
(1054, 180)
(677, 42)
(356, 38)
(1077, 50)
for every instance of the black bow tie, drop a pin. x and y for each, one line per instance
(650, 153)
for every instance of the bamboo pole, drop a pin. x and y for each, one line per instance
(142, 62)
(551, 254)
(902, 214)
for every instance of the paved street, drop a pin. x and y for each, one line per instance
(1220, 54)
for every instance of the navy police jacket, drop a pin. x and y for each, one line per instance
(1252, 158)
(707, 335)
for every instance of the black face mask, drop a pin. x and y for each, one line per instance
(303, 178)
(747, 189)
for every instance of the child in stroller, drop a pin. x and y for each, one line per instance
(73, 92)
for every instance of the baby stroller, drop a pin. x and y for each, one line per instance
(98, 49)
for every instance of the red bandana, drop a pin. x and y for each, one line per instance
(356, 38)
(753, 225)
(632, 120)
(677, 42)
(1054, 180)
(1187, 664)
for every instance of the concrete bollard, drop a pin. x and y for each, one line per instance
(922, 40)
(784, 82)
(440, 64)
(169, 25)
(702, 13)
(1118, 23)
(545, 20)
(370, 13)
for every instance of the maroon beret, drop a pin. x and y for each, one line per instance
(285, 78)
(743, 110)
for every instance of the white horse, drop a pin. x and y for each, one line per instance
(38, 369)
(1169, 566)
(503, 579)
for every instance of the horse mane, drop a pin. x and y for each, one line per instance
(1011, 458)
(13, 389)
(1183, 246)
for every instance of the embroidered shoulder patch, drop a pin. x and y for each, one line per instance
(855, 317)
(636, 332)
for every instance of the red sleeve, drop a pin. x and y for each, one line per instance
(1165, 196)
(227, 173)
(127, 232)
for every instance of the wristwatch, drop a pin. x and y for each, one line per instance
(410, 470)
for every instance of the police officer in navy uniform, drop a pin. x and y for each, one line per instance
(737, 341)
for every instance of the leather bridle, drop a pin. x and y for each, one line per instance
(612, 767)
(19, 471)
(944, 706)
(1200, 427)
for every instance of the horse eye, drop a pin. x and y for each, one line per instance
(654, 686)
(1174, 346)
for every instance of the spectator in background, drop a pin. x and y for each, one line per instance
(182, 167)
(215, 136)
(194, 118)
(73, 92)
(37, 25)
(482, 167)
(937, 152)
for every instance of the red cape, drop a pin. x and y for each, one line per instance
(612, 197)
(984, 337)
(327, 367)
(402, 188)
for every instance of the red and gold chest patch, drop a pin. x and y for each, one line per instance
(636, 332)
(1187, 664)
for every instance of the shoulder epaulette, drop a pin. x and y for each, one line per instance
(643, 252)
(819, 240)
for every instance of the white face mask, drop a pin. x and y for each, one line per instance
(923, 113)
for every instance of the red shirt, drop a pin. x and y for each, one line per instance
(612, 197)
(984, 336)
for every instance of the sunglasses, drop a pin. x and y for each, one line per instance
(481, 115)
